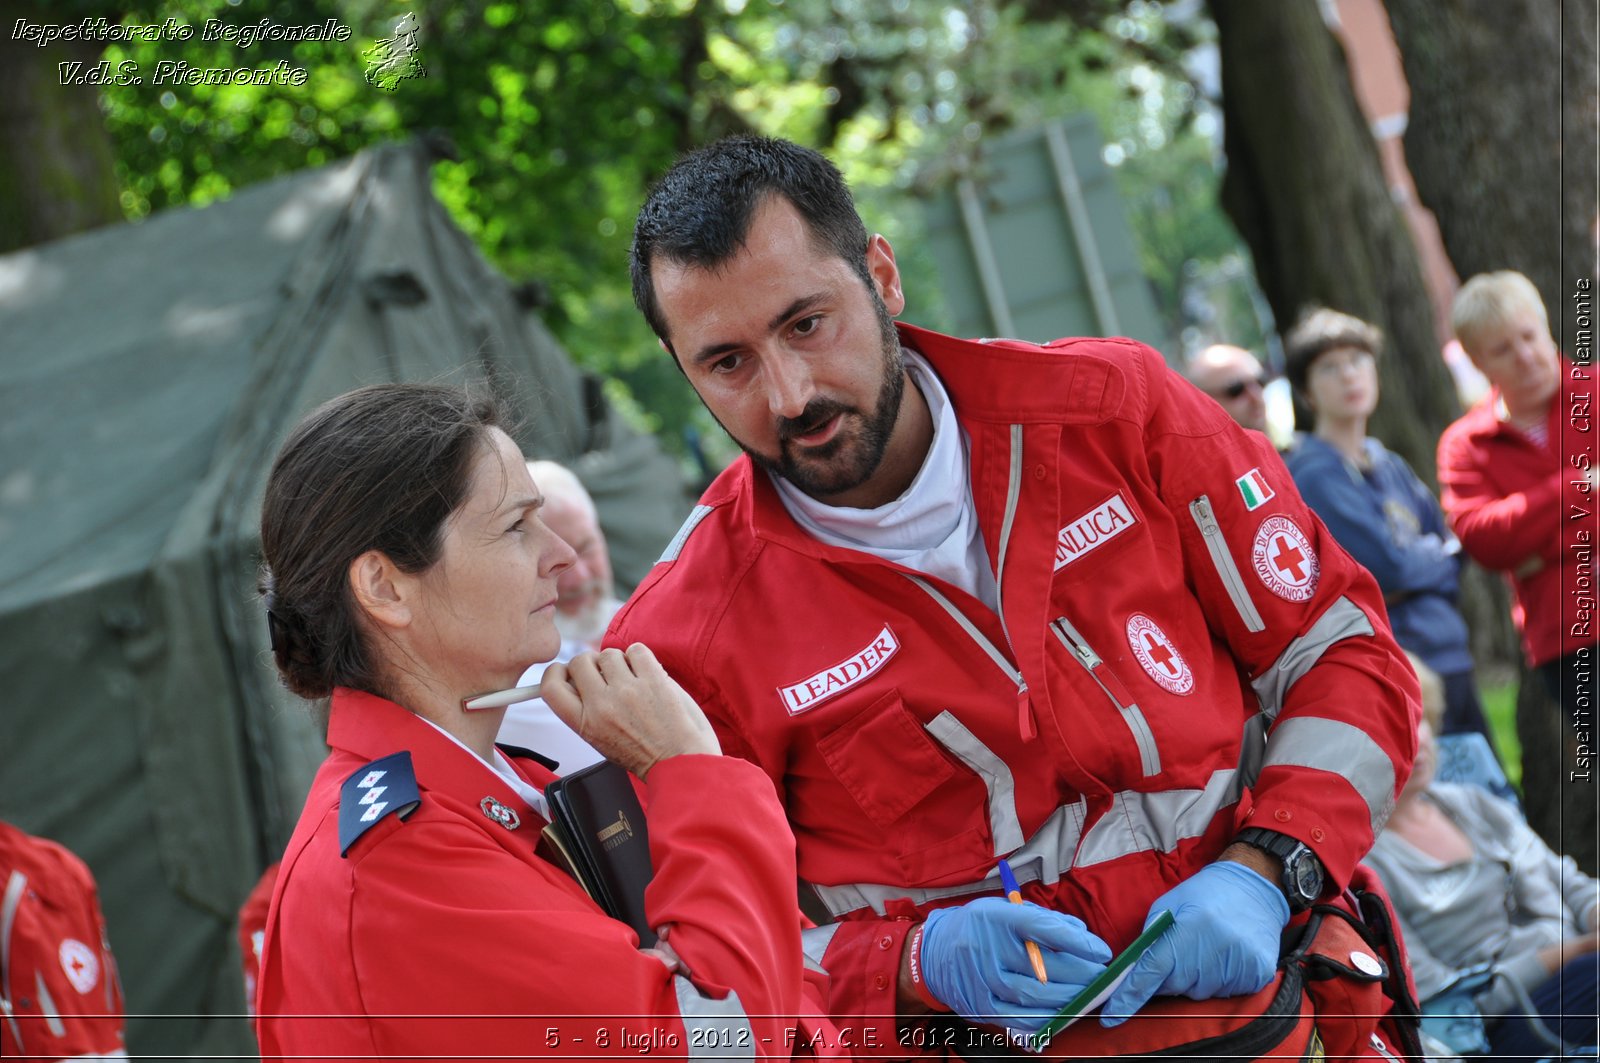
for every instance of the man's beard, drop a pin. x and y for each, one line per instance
(860, 454)
(588, 624)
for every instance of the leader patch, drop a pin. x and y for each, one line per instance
(1284, 560)
(812, 691)
(1158, 656)
(81, 965)
(1094, 529)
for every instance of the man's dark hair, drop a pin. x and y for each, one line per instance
(1320, 330)
(699, 213)
(378, 468)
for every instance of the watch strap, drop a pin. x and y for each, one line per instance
(1269, 841)
(1285, 848)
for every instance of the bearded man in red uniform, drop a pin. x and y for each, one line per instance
(969, 600)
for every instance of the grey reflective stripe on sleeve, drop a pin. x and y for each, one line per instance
(1343, 619)
(971, 629)
(717, 1029)
(5, 1012)
(47, 1006)
(1159, 821)
(1343, 749)
(1136, 822)
(1222, 561)
(675, 547)
(1013, 493)
(814, 942)
(997, 779)
(16, 882)
(1042, 858)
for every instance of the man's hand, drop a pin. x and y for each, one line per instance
(1223, 943)
(975, 959)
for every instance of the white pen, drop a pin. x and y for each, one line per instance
(500, 698)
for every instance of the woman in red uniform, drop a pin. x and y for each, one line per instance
(406, 569)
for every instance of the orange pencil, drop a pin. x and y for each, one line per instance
(1008, 881)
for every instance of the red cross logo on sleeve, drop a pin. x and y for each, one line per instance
(1284, 560)
(79, 963)
(1158, 656)
(1288, 559)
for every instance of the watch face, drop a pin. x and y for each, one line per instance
(1306, 876)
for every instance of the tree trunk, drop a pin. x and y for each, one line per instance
(1559, 808)
(1501, 137)
(57, 171)
(1501, 141)
(1305, 186)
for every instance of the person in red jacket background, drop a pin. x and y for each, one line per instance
(1518, 473)
(967, 600)
(406, 570)
(253, 932)
(59, 993)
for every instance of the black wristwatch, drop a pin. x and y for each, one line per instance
(1302, 871)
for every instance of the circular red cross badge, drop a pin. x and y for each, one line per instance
(80, 963)
(1158, 656)
(1284, 560)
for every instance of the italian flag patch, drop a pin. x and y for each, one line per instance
(1253, 487)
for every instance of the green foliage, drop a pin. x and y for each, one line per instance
(562, 111)
(558, 117)
(1500, 707)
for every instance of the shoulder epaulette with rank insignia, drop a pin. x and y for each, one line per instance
(387, 785)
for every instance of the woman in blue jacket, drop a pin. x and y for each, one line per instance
(1375, 505)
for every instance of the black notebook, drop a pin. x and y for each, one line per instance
(598, 826)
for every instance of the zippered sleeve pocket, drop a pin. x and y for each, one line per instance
(1222, 560)
(1107, 681)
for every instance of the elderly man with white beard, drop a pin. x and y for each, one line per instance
(583, 610)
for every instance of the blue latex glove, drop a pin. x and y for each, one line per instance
(1224, 942)
(975, 959)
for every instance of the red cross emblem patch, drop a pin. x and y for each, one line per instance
(1284, 560)
(1157, 656)
(81, 965)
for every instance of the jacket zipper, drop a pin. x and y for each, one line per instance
(1222, 560)
(974, 634)
(15, 884)
(1106, 679)
(1027, 726)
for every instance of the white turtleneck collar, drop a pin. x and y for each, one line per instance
(933, 526)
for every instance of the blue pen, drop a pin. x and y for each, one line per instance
(1008, 882)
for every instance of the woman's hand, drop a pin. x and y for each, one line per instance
(626, 705)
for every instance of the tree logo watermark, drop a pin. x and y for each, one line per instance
(394, 59)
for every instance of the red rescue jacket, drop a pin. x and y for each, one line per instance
(1181, 651)
(438, 931)
(1510, 499)
(59, 993)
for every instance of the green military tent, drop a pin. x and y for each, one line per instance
(148, 373)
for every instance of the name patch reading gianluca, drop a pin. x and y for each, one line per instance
(1095, 528)
(812, 691)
